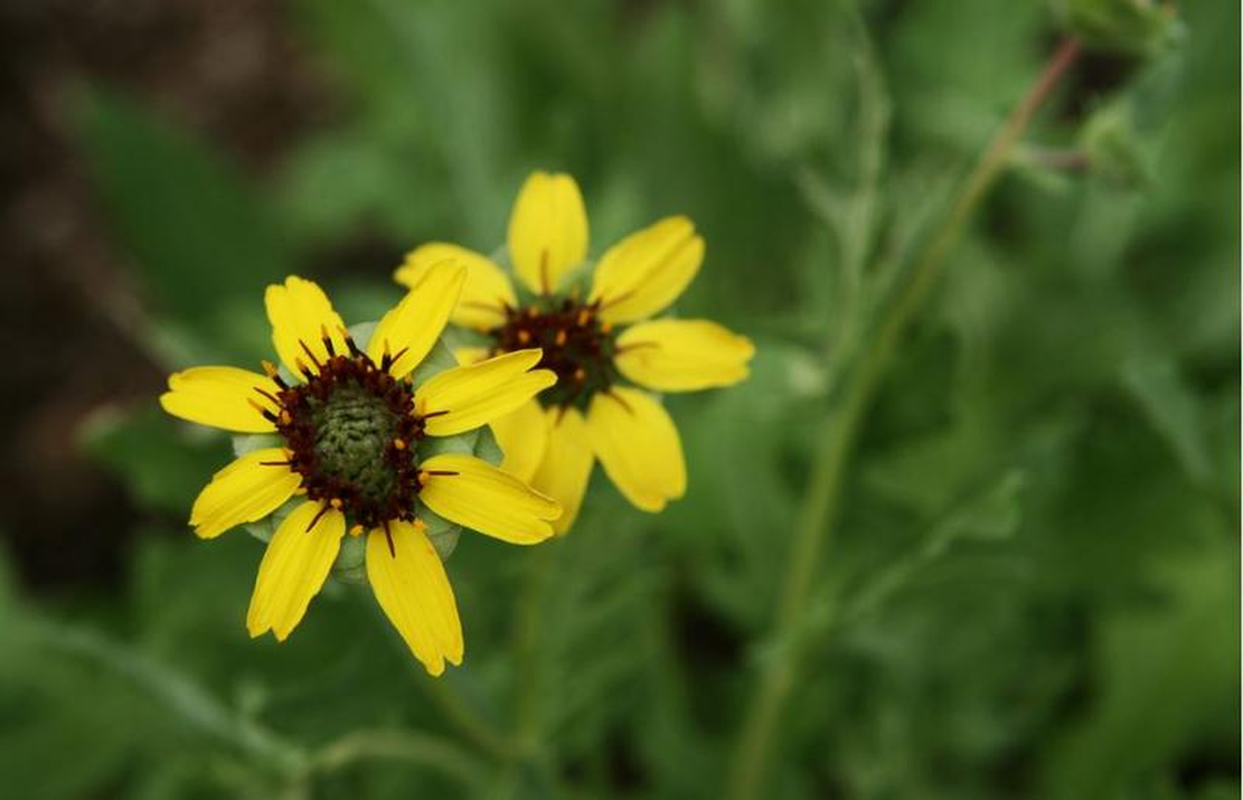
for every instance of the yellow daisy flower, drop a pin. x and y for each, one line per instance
(352, 427)
(606, 349)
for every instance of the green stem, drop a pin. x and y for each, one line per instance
(395, 745)
(819, 513)
(528, 753)
(464, 718)
(527, 644)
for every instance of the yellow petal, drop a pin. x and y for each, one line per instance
(463, 398)
(245, 491)
(294, 568)
(645, 272)
(547, 231)
(220, 397)
(683, 355)
(300, 312)
(485, 294)
(522, 436)
(638, 445)
(411, 586)
(478, 495)
(566, 467)
(413, 326)
(466, 356)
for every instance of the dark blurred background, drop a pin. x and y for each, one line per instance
(231, 71)
(1034, 583)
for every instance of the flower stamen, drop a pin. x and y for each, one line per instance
(388, 534)
(323, 509)
(257, 406)
(310, 355)
(273, 374)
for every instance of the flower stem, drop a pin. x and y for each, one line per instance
(465, 718)
(527, 646)
(413, 747)
(819, 512)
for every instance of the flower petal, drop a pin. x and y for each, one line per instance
(412, 327)
(638, 445)
(485, 294)
(245, 491)
(294, 568)
(683, 355)
(220, 397)
(410, 584)
(463, 398)
(547, 231)
(566, 467)
(300, 313)
(478, 495)
(470, 354)
(645, 272)
(522, 436)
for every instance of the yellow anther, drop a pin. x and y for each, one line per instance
(269, 368)
(584, 316)
(301, 490)
(580, 374)
(336, 503)
(524, 336)
(399, 443)
(286, 417)
(605, 327)
(561, 337)
(420, 525)
(357, 530)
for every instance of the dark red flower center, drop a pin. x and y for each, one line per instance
(351, 429)
(578, 346)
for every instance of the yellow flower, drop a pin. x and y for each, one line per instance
(351, 426)
(605, 350)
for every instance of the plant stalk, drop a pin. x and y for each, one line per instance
(819, 513)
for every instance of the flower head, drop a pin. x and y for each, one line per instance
(599, 334)
(351, 431)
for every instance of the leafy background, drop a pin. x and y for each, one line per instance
(1032, 589)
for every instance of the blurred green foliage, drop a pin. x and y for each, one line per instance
(1035, 580)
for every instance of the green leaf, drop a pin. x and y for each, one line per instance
(203, 244)
(1172, 409)
(1168, 670)
(165, 464)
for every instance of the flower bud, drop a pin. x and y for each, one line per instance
(1141, 28)
(1113, 147)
